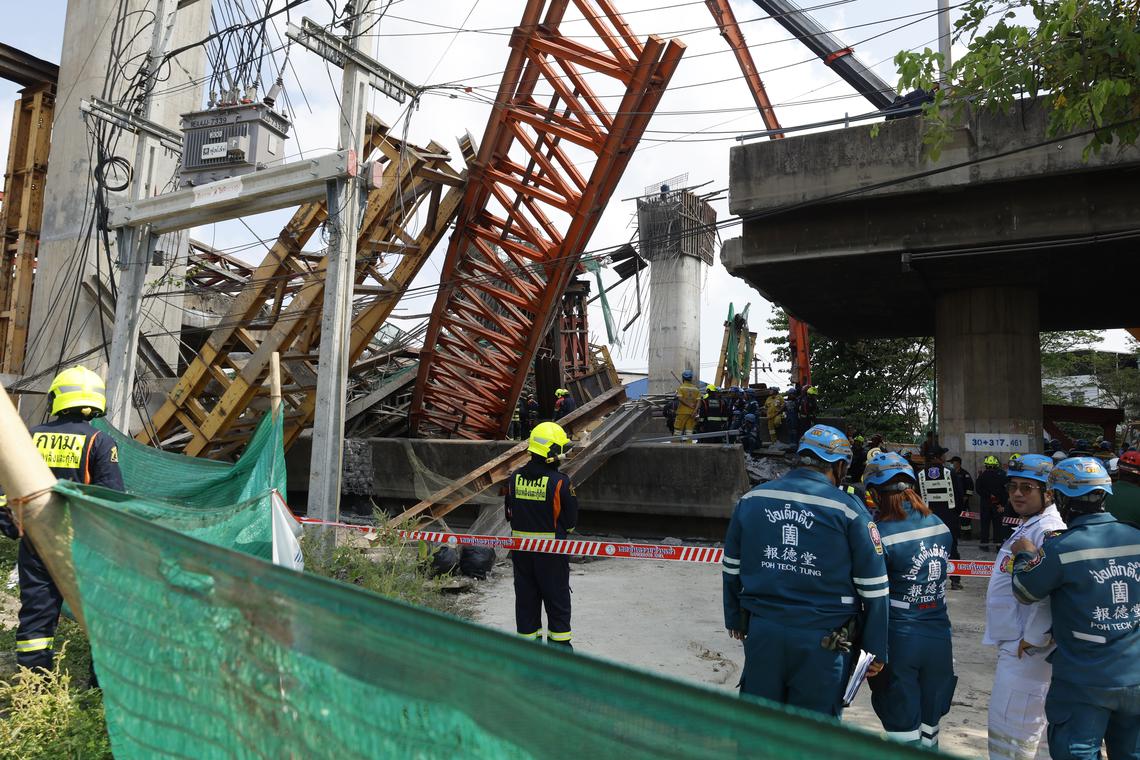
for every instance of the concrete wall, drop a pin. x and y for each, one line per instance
(702, 481)
(674, 321)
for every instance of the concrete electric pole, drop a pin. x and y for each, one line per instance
(944, 39)
(345, 205)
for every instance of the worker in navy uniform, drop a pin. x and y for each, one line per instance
(74, 450)
(1090, 574)
(912, 693)
(802, 564)
(564, 403)
(541, 503)
(1022, 633)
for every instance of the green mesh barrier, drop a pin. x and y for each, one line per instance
(204, 652)
(218, 502)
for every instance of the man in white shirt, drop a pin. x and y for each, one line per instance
(1019, 631)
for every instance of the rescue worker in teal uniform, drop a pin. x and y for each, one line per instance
(541, 503)
(803, 567)
(912, 693)
(74, 450)
(1091, 575)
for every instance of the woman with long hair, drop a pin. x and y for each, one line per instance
(912, 693)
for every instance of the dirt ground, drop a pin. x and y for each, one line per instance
(665, 617)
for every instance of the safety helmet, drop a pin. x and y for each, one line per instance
(826, 443)
(1130, 462)
(884, 467)
(991, 461)
(687, 375)
(1060, 455)
(1106, 445)
(1031, 466)
(1079, 476)
(812, 390)
(78, 388)
(859, 439)
(750, 418)
(548, 440)
(1081, 445)
(710, 389)
(561, 392)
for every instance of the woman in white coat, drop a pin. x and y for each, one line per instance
(1021, 632)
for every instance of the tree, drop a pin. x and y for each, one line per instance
(1082, 58)
(878, 385)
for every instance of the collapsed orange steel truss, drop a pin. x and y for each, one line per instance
(528, 211)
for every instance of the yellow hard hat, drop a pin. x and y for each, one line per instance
(78, 388)
(561, 392)
(548, 440)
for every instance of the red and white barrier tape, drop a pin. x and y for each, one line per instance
(707, 555)
(978, 516)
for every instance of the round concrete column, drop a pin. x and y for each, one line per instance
(988, 368)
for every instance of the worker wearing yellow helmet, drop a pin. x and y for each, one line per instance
(541, 505)
(74, 450)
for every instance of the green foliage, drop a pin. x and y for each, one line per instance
(388, 565)
(45, 717)
(1081, 58)
(1064, 354)
(878, 385)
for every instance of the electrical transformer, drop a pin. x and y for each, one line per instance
(231, 140)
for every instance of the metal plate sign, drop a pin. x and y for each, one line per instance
(997, 442)
(214, 150)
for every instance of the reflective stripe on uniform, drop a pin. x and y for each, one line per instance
(911, 535)
(530, 534)
(804, 498)
(900, 604)
(729, 570)
(34, 645)
(534, 635)
(1107, 552)
(871, 581)
(847, 600)
(1024, 592)
(872, 594)
(905, 736)
(1090, 637)
(559, 635)
(929, 735)
(731, 560)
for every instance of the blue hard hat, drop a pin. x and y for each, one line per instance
(687, 375)
(885, 466)
(827, 443)
(1077, 476)
(750, 418)
(1030, 466)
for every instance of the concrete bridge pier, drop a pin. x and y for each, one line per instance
(988, 369)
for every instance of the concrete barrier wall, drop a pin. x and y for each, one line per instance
(651, 478)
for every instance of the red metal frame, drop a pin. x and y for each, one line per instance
(528, 211)
(722, 13)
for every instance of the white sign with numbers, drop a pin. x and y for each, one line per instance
(1010, 442)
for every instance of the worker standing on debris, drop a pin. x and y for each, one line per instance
(541, 503)
(914, 690)
(774, 411)
(76, 451)
(803, 569)
(1088, 574)
(564, 403)
(688, 397)
(1020, 632)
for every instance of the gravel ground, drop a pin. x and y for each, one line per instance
(665, 617)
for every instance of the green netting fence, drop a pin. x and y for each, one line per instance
(205, 652)
(227, 504)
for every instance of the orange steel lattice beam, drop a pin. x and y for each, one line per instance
(214, 405)
(528, 211)
(22, 215)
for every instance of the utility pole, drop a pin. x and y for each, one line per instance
(345, 205)
(136, 247)
(944, 38)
